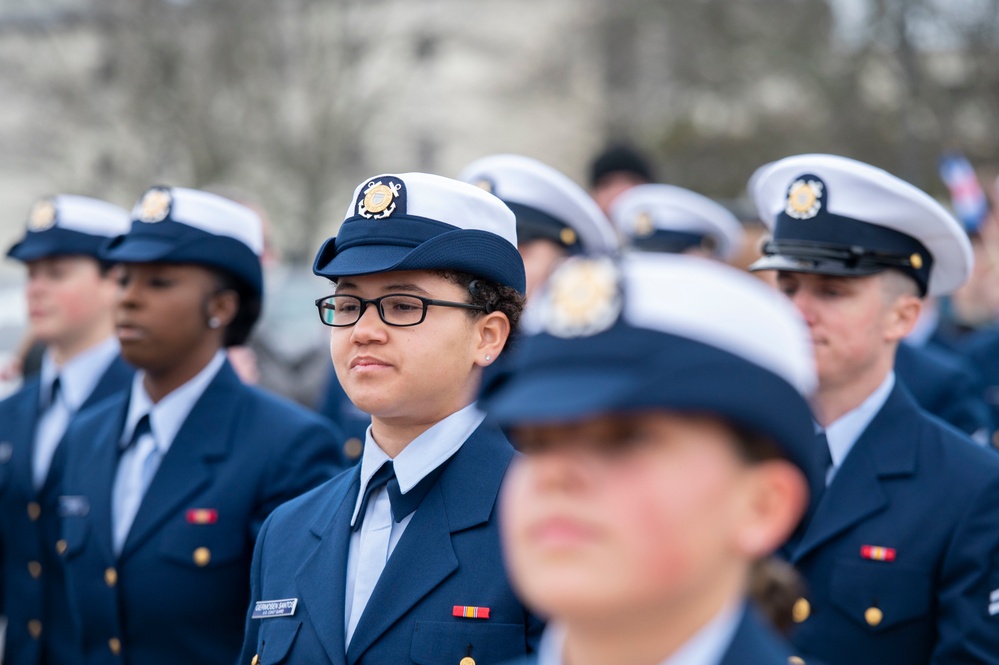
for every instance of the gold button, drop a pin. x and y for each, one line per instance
(35, 569)
(568, 237)
(467, 660)
(353, 448)
(115, 645)
(61, 546)
(802, 610)
(256, 659)
(110, 577)
(796, 660)
(202, 556)
(35, 629)
(34, 511)
(873, 616)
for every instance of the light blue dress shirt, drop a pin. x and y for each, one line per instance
(139, 462)
(77, 379)
(372, 545)
(845, 430)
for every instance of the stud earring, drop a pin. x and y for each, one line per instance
(488, 358)
(214, 322)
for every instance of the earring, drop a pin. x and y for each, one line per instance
(214, 322)
(488, 358)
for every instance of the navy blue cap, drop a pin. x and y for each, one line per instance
(177, 225)
(417, 221)
(69, 225)
(664, 218)
(660, 331)
(832, 215)
(547, 203)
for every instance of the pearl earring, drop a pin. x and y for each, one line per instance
(488, 358)
(214, 322)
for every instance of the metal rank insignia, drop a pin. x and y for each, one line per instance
(804, 198)
(583, 297)
(644, 226)
(155, 205)
(380, 198)
(42, 215)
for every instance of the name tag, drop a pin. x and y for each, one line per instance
(73, 506)
(266, 609)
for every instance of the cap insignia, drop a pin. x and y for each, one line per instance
(155, 205)
(804, 199)
(583, 297)
(644, 226)
(379, 200)
(42, 215)
(568, 237)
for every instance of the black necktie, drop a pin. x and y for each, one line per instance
(825, 455)
(141, 429)
(385, 473)
(53, 394)
(403, 505)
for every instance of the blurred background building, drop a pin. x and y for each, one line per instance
(289, 104)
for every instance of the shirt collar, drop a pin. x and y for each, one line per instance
(167, 416)
(706, 647)
(843, 433)
(423, 454)
(79, 375)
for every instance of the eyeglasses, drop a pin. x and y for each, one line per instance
(395, 309)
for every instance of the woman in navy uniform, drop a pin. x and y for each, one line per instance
(70, 295)
(667, 445)
(901, 555)
(166, 486)
(398, 559)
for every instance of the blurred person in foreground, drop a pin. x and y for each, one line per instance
(70, 294)
(666, 446)
(901, 553)
(167, 484)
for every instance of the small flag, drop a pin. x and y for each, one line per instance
(470, 612)
(966, 195)
(876, 553)
(202, 516)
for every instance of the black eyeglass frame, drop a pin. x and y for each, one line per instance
(427, 302)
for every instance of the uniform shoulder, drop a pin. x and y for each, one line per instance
(303, 510)
(28, 390)
(265, 404)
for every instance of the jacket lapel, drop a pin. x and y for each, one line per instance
(321, 581)
(115, 380)
(203, 439)
(19, 434)
(464, 496)
(885, 449)
(100, 457)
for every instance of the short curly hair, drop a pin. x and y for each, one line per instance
(492, 295)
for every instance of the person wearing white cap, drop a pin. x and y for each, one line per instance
(70, 294)
(901, 554)
(659, 403)
(398, 560)
(166, 484)
(555, 216)
(664, 218)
